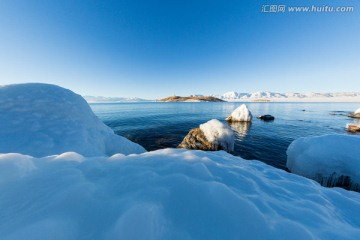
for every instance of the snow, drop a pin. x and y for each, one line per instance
(65, 175)
(357, 111)
(326, 158)
(42, 119)
(240, 114)
(167, 194)
(219, 133)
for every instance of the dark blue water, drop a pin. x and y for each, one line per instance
(162, 125)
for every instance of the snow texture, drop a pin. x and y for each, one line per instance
(42, 119)
(167, 194)
(240, 114)
(357, 111)
(325, 158)
(219, 133)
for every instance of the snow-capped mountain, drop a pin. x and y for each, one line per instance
(287, 97)
(99, 99)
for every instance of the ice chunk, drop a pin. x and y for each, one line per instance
(218, 133)
(333, 160)
(240, 114)
(42, 119)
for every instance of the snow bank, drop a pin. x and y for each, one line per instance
(42, 119)
(219, 133)
(357, 111)
(240, 114)
(327, 159)
(167, 194)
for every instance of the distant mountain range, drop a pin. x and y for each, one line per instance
(254, 97)
(288, 97)
(100, 99)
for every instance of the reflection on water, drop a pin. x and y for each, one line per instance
(241, 128)
(162, 125)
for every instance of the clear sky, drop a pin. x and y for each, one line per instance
(154, 48)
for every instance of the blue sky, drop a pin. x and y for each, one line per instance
(154, 49)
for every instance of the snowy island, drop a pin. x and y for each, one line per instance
(65, 175)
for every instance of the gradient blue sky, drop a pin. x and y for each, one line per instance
(154, 49)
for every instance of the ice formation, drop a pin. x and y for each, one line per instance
(167, 194)
(218, 133)
(42, 119)
(240, 114)
(327, 159)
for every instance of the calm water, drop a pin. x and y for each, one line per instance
(162, 125)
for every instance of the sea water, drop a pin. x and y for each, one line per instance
(156, 125)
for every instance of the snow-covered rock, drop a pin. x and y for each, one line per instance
(240, 114)
(218, 133)
(167, 194)
(42, 119)
(357, 111)
(210, 136)
(332, 160)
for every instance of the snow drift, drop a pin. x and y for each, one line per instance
(219, 133)
(42, 119)
(332, 160)
(167, 194)
(240, 114)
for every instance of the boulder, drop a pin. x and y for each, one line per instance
(353, 128)
(266, 117)
(240, 114)
(354, 115)
(210, 136)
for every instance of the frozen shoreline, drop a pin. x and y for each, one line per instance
(86, 182)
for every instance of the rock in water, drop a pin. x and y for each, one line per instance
(356, 114)
(353, 128)
(266, 117)
(241, 114)
(210, 136)
(196, 139)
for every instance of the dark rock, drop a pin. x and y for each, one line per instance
(196, 139)
(266, 117)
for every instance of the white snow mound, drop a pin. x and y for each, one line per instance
(357, 111)
(240, 114)
(326, 158)
(219, 133)
(41, 119)
(167, 194)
